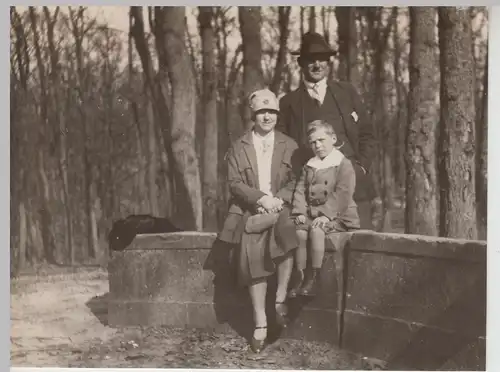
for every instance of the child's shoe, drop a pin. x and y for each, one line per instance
(297, 284)
(311, 283)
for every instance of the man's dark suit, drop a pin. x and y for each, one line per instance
(296, 110)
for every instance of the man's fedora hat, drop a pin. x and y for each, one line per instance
(314, 43)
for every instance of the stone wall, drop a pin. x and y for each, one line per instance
(415, 302)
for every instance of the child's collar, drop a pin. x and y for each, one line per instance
(333, 159)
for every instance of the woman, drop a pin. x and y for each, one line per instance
(261, 179)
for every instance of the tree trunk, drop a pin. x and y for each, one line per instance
(19, 168)
(347, 40)
(155, 94)
(209, 102)
(253, 78)
(384, 132)
(456, 143)
(78, 30)
(400, 135)
(302, 21)
(152, 158)
(482, 161)
(62, 132)
(23, 237)
(325, 20)
(183, 124)
(312, 19)
(421, 191)
(44, 213)
(283, 21)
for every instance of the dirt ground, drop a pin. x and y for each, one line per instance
(59, 320)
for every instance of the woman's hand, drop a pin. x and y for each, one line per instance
(269, 204)
(278, 205)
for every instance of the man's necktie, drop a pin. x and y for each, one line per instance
(315, 93)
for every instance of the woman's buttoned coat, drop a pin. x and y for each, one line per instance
(259, 250)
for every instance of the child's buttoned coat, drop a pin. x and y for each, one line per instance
(328, 192)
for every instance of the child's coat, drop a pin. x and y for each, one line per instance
(326, 188)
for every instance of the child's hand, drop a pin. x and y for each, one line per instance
(320, 221)
(300, 219)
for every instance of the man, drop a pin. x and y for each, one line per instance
(337, 103)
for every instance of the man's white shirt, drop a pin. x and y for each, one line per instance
(317, 90)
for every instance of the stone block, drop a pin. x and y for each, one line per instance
(413, 308)
(416, 302)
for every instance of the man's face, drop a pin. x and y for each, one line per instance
(265, 121)
(315, 66)
(322, 142)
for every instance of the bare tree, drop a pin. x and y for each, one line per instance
(170, 21)
(253, 79)
(43, 209)
(325, 20)
(456, 142)
(401, 110)
(79, 30)
(209, 102)
(421, 190)
(347, 41)
(482, 160)
(312, 19)
(302, 20)
(20, 62)
(283, 22)
(60, 119)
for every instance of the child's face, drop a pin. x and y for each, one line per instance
(321, 142)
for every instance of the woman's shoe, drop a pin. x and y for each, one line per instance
(281, 314)
(311, 283)
(258, 345)
(297, 283)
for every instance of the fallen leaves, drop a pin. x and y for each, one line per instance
(179, 348)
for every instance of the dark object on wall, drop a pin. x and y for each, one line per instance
(124, 231)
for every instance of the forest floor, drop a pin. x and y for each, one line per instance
(58, 319)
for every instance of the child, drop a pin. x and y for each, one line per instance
(322, 204)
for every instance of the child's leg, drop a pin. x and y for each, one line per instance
(311, 282)
(300, 263)
(317, 247)
(301, 252)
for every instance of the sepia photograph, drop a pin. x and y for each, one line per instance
(249, 187)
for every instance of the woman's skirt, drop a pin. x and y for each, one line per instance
(261, 252)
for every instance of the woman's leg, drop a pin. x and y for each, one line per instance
(284, 273)
(317, 237)
(258, 296)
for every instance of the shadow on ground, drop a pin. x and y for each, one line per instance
(98, 305)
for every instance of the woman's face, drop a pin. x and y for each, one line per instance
(265, 121)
